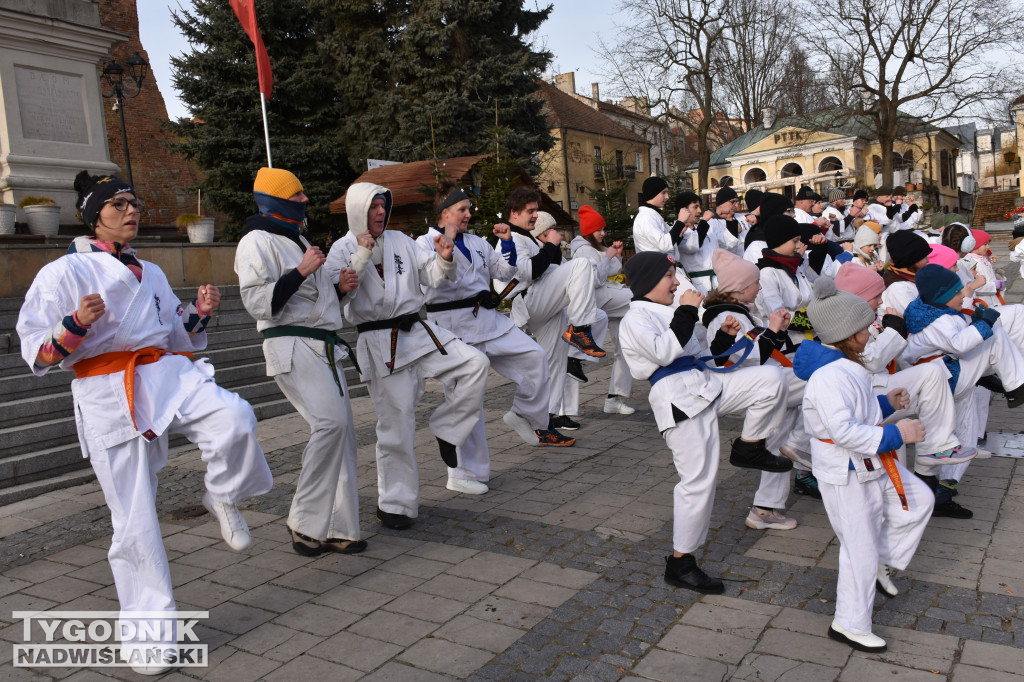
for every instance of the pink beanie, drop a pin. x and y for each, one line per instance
(942, 255)
(860, 281)
(734, 273)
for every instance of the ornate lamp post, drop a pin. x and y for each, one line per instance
(114, 75)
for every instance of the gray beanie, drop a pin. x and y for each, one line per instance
(836, 314)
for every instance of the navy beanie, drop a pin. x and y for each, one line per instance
(779, 229)
(652, 187)
(937, 285)
(644, 271)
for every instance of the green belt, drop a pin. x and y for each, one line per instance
(329, 338)
(701, 273)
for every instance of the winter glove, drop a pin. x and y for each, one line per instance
(911, 430)
(989, 315)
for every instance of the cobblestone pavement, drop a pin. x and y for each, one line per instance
(556, 573)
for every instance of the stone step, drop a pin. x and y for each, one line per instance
(41, 464)
(24, 491)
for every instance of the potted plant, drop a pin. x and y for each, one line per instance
(198, 228)
(8, 214)
(42, 215)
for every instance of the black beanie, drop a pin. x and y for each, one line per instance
(807, 193)
(684, 199)
(906, 248)
(779, 229)
(774, 204)
(725, 194)
(644, 271)
(94, 191)
(860, 194)
(652, 187)
(752, 198)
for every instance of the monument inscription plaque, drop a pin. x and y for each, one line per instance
(52, 106)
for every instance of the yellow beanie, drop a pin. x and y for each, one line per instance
(277, 182)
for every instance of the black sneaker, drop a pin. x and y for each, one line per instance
(394, 521)
(807, 484)
(582, 338)
(574, 368)
(1015, 398)
(952, 510)
(564, 422)
(448, 454)
(684, 572)
(553, 439)
(756, 456)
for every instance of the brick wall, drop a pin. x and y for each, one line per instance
(160, 175)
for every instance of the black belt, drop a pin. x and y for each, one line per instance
(329, 338)
(483, 299)
(395, 324)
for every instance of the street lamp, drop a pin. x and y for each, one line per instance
(114, 75)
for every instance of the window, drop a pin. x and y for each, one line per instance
(620, 170)
(639, 163)
(598, 170)
(944, 167)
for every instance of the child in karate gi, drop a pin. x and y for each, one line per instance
(113, 318)
(687, 397)
(398, 351)
(467, 308)
(295, 304)
(877, 508)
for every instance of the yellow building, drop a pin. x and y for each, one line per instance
(591, 150)
(783, 155)
(1018, 115)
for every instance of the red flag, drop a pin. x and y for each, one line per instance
(245, 10)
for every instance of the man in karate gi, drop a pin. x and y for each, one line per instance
(398, 352)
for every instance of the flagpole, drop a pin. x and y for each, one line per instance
(266, 129)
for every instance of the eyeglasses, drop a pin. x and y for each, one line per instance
(123, 204)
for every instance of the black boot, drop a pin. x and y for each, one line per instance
(684, 572)
(756, 456)
(944, 504)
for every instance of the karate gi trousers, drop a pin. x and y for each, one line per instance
(872, 528)
(694, 443)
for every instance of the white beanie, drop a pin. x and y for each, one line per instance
(545, 221)
(865, 237)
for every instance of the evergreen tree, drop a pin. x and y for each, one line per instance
(217, 80)
(354, 80)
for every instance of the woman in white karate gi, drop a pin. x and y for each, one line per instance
(113, 319)
(398, 352)
(660, 345)
(467, 307)
(295, 305)
(877, 508)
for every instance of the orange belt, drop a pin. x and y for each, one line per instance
(893, 366)
(889, 462)
(124, 361)
(929, 359)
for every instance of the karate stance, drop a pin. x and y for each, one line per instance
(398, 352)
(113, 319)
(295, 305)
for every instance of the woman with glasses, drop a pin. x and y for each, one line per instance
(113, 319)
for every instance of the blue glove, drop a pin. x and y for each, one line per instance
(989, 315)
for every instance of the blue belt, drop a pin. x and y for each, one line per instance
(687, 362)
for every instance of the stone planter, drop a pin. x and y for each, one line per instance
(201, 232)
(8, 213)
(43, 219)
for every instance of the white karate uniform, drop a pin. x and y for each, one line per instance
(779, 291)
(171, 396)
(1017, 256)
(696, 257)
(753, 253)
(898, 296)
(649, 344)
(773, 489)
(651, 233)
(544, 307)
(396, 389)
(326, 500)
(862, 504)
(512, 353)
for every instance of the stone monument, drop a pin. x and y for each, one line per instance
(51, 108)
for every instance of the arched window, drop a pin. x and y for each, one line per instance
(726, 181)
(791, 170)
(754, 175)
(830, 164)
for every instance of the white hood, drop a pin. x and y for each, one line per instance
(357, 205)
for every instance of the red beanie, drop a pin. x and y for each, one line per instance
(981, 237)
(590, 220)
(859, 280)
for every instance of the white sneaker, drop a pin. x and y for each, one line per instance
(884, 580)
(461, 485)
(518, 423)
(957, 455)
(233, 527)
(797, 456)
(769, 519)
(150, 661)
(983, 454)
(871, 643)
(616, 406)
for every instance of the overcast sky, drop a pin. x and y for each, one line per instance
(569, 33)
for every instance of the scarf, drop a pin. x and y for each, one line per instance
(122, 252)
(288, 214)
(770, 259)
